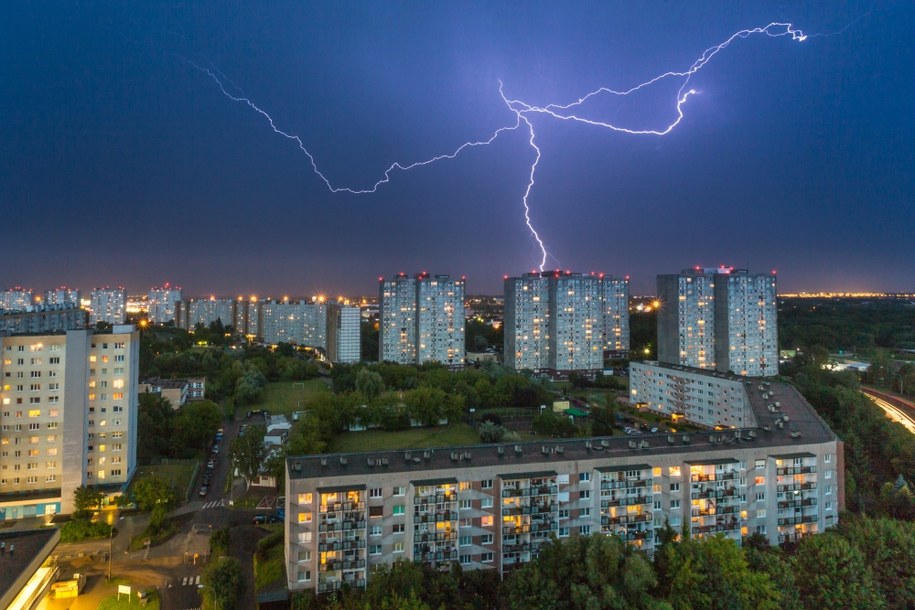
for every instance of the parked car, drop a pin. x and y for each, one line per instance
(261, 519)
(204, 490)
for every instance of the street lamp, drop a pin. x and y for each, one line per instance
(111, 520)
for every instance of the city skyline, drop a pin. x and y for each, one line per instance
(792, 155)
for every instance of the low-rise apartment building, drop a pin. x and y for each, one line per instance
(493, 506)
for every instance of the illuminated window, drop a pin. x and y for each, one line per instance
(674, 471)
(486, 521)
(305, 498)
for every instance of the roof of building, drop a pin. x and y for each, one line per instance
(800, 425)
(28, 544)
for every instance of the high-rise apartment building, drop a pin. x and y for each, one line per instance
(107, 305)
(316, 329)
(615, 301)
(62, 296)
(344, 333)
(526, 322)
(161, 302)
(190, 313)
(68, 417)
(719, 318)
(561, 322)
(397, 320)
(16, 298)
(43, 319)
(440, 320)
(422, 320)
(283, 321)
(492, 507)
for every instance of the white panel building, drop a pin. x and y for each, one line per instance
(16, 298)
(576, 322)
(344, 333)
(161, 302)
(62, 296)
(440, 320)
(526, 322)
(397, 320)
(107, 305)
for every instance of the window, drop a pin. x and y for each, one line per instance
(827, 458)
(486, 502)
(584, 530)
(305, 517)
(675, 504)
(465, 560)
(486, 484)
(584, 512)
(584, 495)
(376, 511)
(303, 575)
(486, 557)
(827, 505)
(828, 490)
(375, 531)
(486, 539)
(760, 464)
(761, 513)
(398, 510)
(674, 471)
(303, 498)
(563, 532)
(463, 485)
(563, 513)
(398, 547)
(486, 521)
(304, 555)
(760, 496)
(374, 549)
(399, 491)
(674, 487)
(398, 528)
(828, 474)
(375, 492)
(464, 505)
(465, 540)
(584, 477)
(759, 481)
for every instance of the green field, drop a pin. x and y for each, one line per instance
(414, 438)
(176, 472)
(280, 397)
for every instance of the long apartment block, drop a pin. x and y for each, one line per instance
(494, 506)
(68, 417)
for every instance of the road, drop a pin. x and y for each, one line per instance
(169, 566)
(896, 408)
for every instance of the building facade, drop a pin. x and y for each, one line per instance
(62, 296)
(397, 320)
(162, 302)
(562, 322)
(69, 417)
(421, 320)
(344, 336)
(17, 299)
(721, 319)
(492, 507)
(43, 319)
(191, 312)
(107, 305)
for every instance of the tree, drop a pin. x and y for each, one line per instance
(220, 540)
(152, 491)
(87, 499)
(549, 423)
(196, 424)
(426, 405)
(831, 573)
(155, 425)
(491, 432)
(369, 384)
(248, 453)
(223, 583)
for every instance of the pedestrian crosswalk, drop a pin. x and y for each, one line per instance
(186, 581)
(214, 504)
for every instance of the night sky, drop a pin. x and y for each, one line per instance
(121, 163)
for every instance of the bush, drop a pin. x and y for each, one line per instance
(78, 530)
(491, 433)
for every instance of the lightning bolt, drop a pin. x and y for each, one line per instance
(523, 112)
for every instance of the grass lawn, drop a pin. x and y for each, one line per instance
(272, 568)
(414, 438)
(176, 472)
(280, 397)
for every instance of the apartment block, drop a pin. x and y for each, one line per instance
(43, 319)
(492, 507)
(161, 302)
(440, 320)
(562, 322)
(397, 320)
(526, 322)
(68, 418)
(62, 296)
(107, 305)
(721, 319)
(191, 312)
(344, 333)
(16, 298)
(283, 321)
(422, 320)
